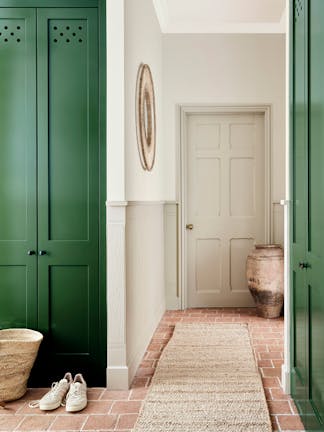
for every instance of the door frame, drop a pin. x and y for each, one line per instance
(184, 110)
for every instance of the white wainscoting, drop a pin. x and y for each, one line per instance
(145, 286)
(117, 370)
(171, 257)
(135, 285)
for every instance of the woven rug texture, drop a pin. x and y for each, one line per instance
(206, 380)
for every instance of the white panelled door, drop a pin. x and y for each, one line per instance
(225, 203)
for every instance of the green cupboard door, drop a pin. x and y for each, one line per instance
(299, 209)
(18, 290)
(315, 243)
(68, 192)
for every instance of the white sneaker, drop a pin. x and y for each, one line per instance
(76, 399)
(55, 397)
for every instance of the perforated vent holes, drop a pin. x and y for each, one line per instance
(11, 31)
(68, 32)
(298, 9)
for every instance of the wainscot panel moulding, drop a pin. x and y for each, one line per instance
(145, 117)
(116, 203)
(145, 203)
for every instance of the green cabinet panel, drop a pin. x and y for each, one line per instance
(72, 119)
(308, 211)
(14, 295)
(50, 187)
(18, 288)
(70, 331)
(68, 184)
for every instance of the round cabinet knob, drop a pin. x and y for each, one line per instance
(189, 226)
(303, 265)
(31, 252)
(42, 252)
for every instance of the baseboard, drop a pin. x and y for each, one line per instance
(117, 378)
(285, 379)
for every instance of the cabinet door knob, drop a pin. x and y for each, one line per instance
(31, 252)
(189, 226)
(303, 265)
(42, 252)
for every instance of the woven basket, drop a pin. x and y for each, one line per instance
(18, 351)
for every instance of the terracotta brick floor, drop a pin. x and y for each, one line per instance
(118, 410)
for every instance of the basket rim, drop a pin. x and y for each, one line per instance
(27, 335)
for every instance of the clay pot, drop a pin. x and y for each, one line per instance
(264, 272)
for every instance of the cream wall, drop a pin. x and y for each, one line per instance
(115, 101)
(143, 44)
(145, 191)
(224, 69)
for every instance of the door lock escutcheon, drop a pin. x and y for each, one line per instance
(189, 226)
(303, 265)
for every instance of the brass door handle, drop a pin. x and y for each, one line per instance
(189, 226)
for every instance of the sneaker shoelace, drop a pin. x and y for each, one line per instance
(55, 390)
(75, 391)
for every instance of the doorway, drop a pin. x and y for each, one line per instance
(225, 206)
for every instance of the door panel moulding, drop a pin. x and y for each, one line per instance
(183, 112)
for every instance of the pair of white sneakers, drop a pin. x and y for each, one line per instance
(68, 392)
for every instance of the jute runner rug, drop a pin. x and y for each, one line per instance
(206, 380)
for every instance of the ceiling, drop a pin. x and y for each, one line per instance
(221, 16)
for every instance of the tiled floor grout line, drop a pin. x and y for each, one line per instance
(84, 423)
(117, 421)
(18, 425)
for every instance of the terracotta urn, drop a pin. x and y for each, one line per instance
(264, 272)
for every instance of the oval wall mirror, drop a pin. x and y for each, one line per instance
(145, 117)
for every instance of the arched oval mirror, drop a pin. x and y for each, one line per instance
(145, 117)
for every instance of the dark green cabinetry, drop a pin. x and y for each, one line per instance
(307, 216)
(18, 176)
(50, 186)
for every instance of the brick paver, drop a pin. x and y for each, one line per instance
(110, 411)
